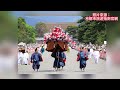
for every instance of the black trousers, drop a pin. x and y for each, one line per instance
(56, 64)
(36, 65)
(82, 63)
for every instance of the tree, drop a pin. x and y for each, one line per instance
(26, 33)
(91, 31)
(41, 29)
(72, 30)
(21, 23)
(88, 31)
(112, 28)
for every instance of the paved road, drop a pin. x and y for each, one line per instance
(71, 70)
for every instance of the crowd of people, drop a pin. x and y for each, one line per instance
(84, 53)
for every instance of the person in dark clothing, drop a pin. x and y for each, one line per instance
(82, 59)
(36, 58)
(63, 59)
(57, 55)
(42, 50)
(56, 63)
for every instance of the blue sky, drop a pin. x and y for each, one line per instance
(47, 16)
(32, 20)
(47, 13)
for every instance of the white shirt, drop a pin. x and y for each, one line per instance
(96, 54)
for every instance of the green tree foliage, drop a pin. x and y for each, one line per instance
(41, 29)
(89, 31)
(112, 27)
(26, 33)
(72, 30)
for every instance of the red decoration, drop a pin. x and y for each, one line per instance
(58, 34)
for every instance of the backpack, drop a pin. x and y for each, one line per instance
(86, 56)
(78, 56)
(64, 57)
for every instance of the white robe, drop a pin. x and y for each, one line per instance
(91, 53)
(20, 57)
(25, 58)
(96, 56)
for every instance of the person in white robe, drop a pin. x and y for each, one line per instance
(26, 58)
(96, 55)
(20, 57)
(91, 52)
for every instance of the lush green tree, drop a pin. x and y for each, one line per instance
(89, 31)
(31, 33)
(92, 31)
(72, 30)
(26, 33)
(41, 29)
(112, 27)
(21, 23)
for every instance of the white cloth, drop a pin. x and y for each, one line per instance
(25, 58)
(91, 53)
(20, 57)
(96, 56)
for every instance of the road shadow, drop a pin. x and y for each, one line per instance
(46, 71)
(88, 76)
(51, 71)
(56, 76)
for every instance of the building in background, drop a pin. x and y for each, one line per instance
(63, 25)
